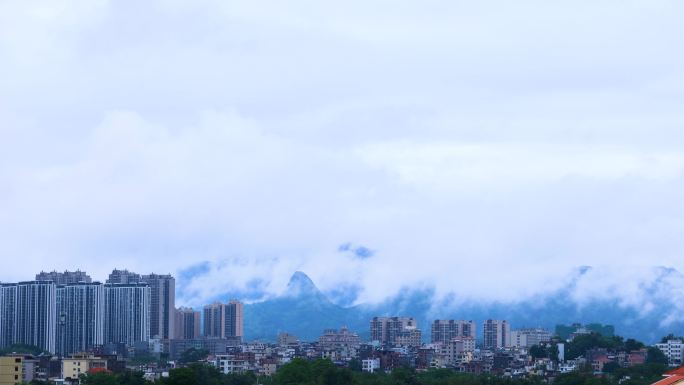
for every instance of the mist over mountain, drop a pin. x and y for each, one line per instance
(647, 307)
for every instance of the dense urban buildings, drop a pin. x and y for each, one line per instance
(95, 326)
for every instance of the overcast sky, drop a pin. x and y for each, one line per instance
(485, 148)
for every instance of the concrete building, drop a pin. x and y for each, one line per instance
(231, 364)
(162, 299)
(213, 345)
(80, 317)
(410, 337)
(468, 343)
(187, 324)
(123, 277)
(446, 330)
(370, 365)
(36, 315)
(11, 370)
(332, 338)
(224, 320)
(65, 278)
(525, 338)
(496, 334)
(73, 367)
(402, 331)
(287, 339)
(162, 304)
(127, 313)
(673, 350)
(8, 314)
(452, 351)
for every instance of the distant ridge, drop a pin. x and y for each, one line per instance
(305, 311)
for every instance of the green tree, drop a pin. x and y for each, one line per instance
(193, 355)
(182, 376)
(537, 351)
(295, 372)
(355, 365)
(99, 378)
(655, 356)
(632, 344)
(670, 337)
(131, 378)
(610, 367)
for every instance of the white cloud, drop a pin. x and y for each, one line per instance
(449, 137)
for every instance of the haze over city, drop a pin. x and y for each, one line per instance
(487, 150)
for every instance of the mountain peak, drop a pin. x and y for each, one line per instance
(300, 284)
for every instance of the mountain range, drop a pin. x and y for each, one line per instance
(647, 313)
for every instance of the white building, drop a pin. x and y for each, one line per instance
(370, 366)
(229, 363)
(525, 338)
(673, 351)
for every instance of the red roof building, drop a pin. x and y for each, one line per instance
(675, 376)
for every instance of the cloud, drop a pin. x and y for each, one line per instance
(481, 149)
(361, 252)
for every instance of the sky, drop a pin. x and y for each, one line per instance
(485, 149)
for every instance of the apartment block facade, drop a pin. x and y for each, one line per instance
(496, 334)
(444, 331)
(401, 331)
(127, 313)
(187, 324)
(224, 320)
(80, 317)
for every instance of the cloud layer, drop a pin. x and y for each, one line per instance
(482, 149)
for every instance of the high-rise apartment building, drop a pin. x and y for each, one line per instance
(36, 315)
(80, 317)
(8, 313)
(64, 278)
(224, 320)
(444, 331)
(395, 331)
(162, 299)
(234, 316)
(162, 304)
(127, 313)
(496, 334)
(187, 324)
(123, 276)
